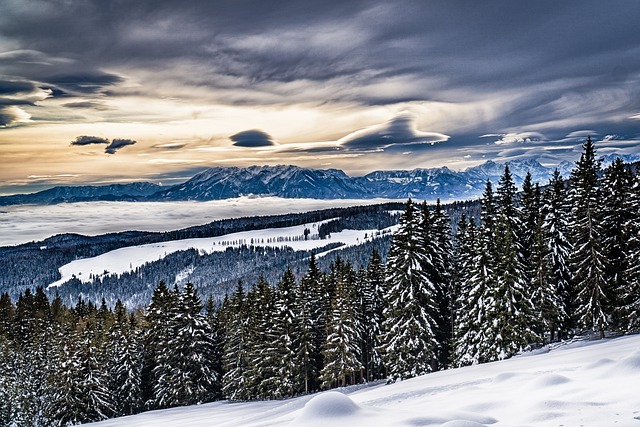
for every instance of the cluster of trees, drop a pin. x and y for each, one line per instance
(541, 265)
(534, 267)
(64, 366)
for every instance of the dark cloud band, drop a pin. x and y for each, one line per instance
(252, 138)
(111, 146)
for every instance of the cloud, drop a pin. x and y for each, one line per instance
(11, 87)
(12, 115)
(517, 137)
(117, 144)
(401, 130)
(87, 104)
(15, 93)
(111, 147)
(87, 82)
(252, 138)
(88, 140)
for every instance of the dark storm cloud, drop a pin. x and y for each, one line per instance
(84, 83)
(9, 87)
(111, 146)
(401, 130)
(117, 144)
(252, 138)
(89, 140)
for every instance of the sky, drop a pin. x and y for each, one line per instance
(99, 91)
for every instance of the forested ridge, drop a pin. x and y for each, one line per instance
(535, 267)
(36, 264)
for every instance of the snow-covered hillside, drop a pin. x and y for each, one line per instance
(129, 258)
(581, 384)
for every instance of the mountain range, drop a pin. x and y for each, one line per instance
(295, 182)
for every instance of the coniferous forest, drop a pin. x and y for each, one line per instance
(537, 266)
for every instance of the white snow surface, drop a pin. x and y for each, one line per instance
(25, 223)
(129, 258)
(593, 383)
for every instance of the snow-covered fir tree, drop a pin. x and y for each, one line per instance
(545, 297)
(477, 280)
(285, 334)
(306, 350)
(184, 370)
(341, 349)
(616, 214)
(235, 359)
(631, 297)
(588, 263)
(409, 330)
(263, 349)
(556, 226)
(372, 290)
(509, 310)
(124, 359)
(438, 248)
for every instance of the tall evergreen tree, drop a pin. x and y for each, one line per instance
(556, 227)
(616, 214)
(284, 327)
(409, 337)
(509, 306)
(185, 371)
(341, 350)
(306, 349)
(372, 291)
(588, 259)
(235, 359)
(440, 250)
(124, 361)
(264, 351)
(631, 298)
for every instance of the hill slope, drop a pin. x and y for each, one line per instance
(584, 383)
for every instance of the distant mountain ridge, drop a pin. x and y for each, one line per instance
(295, 182)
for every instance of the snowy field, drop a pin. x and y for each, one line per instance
(25, 223)
(593, 383)
(129, 258)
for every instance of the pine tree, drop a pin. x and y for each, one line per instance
(156, 339)
(263, 349)
(82, 394)
(537, 269)
(440, 250)
(469, 304)
(556, 227)
(409, 337)
(588, 260)
(124, 363)
(616, 214)
(341, 349)
(285, 332)
(320, 299)
(307, 351)
(372, 291)
(184, 371)
(509, 308)
(631, 298)
(235, 363)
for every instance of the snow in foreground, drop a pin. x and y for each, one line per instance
(582, 384)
